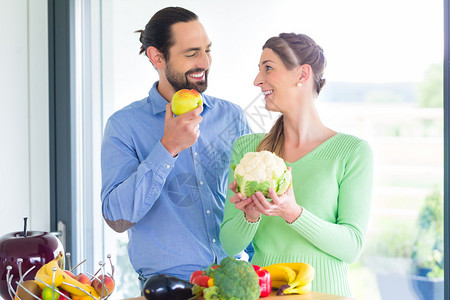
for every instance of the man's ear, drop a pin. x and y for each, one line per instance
(156, 57)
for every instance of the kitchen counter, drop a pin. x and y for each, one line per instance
(273, 296)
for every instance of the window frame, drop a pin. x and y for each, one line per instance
(60, 121)
(75, 128)
(446, 66)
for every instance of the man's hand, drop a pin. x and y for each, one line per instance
(181, 132)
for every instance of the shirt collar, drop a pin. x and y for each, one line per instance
(158, 103)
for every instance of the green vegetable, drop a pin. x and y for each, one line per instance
(233, 280)
(211, 293)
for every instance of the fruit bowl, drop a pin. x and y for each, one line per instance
(53, 283)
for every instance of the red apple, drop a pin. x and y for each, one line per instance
(65, 293)
(107, 288)
(83, 278)
(69, 273)
(36, 248)
(185, 100)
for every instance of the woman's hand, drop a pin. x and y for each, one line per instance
(284, 205)
(245, 204)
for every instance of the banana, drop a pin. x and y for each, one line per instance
(304, 272)
(73, 286)
(66, 282)
(45, 274)
(83, 298)
(280, 273)
(305, 289)
(92, 291)
(48, 279)
(276, 284)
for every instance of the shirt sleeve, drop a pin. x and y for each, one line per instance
(236, 233)
(246, 129)
(130, 187)
(344, 240)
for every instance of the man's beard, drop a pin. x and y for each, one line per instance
(180, 81)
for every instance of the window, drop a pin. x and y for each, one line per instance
(380, 87)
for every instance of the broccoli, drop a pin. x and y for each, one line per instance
(233, 280)
(211, 293)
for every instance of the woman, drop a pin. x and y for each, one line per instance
(322, 218)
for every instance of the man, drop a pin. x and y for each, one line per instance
(165, 177)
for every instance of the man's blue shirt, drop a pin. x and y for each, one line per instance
(172, 208)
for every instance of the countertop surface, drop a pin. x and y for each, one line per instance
(273, 296)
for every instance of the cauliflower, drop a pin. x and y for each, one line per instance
(259, 171)
(233, 280)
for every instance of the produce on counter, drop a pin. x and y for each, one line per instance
(27, 289)
(104, 285)
(259, 171)
(201, 279)
(232, 279)
(185, 100)
(63, 281)
(83, 278)
(291, 278)
(52, 282)
(45, 274)
(49, 294)
(162, 287)
(265, 281)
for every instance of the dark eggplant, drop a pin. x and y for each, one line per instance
(166, 287)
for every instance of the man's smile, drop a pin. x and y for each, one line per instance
(197, 75)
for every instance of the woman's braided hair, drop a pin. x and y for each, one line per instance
(299, 49)
(294, 50)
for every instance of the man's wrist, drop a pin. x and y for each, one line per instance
(169, 149)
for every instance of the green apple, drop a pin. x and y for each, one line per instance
(185, 100)
(47, 293)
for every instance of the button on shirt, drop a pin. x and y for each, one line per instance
(172, 208)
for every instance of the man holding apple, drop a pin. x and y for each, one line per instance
(165, 176)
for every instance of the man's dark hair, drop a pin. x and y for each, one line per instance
(158, 31)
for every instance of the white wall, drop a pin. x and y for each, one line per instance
(24, 126)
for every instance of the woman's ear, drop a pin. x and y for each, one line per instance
(156, 57)
(303, 73)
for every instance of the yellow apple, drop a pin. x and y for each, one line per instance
(185, 100)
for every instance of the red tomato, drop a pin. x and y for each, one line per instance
(195, 274)
(201, 280)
